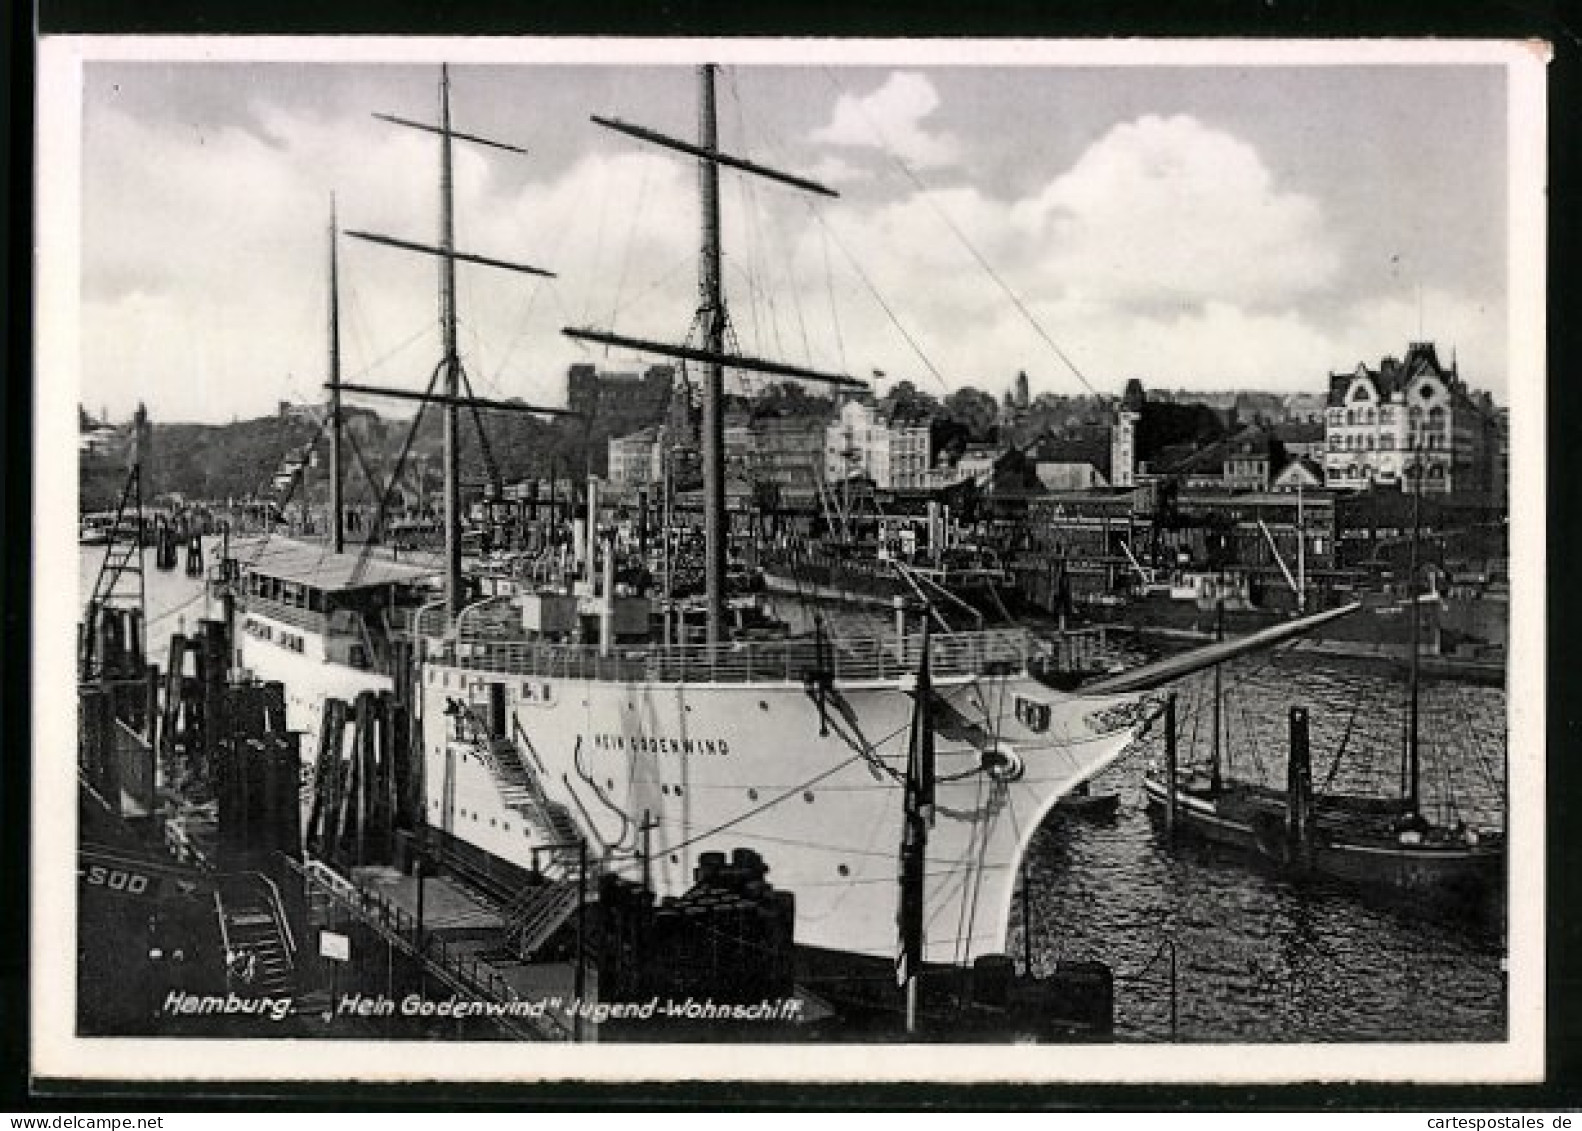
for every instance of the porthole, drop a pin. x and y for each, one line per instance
(843, 870)
(763, 704)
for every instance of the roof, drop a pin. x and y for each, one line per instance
(1307, 463)
(648, 435)
(1078, 448)
(1393, 375)
(1299, 432)
(311, 564)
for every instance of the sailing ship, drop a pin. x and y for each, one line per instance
(569, 713)
(1370, 840)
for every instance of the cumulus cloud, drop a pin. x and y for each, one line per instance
(1167, 250)
(892, 117)
(1163, 211)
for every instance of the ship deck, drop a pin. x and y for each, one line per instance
(790, 660)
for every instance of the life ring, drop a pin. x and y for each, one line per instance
(1002, 764)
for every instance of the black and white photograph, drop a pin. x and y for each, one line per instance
(881, 560)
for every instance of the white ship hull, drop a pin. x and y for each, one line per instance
(309, 678)
(714, 767)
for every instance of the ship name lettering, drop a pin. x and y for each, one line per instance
(650, 744)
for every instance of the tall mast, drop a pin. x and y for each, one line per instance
(337, 532)
(713, 317)
(451, 363)
(714, 323)
(1412, 766)
(450, 369)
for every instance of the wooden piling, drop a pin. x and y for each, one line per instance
(1170, 766)
(1299, 791)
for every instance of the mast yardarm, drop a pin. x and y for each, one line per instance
(713, 318)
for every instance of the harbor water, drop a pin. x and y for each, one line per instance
(1256, 957)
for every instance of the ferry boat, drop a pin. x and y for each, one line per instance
(569, 712)
(316, 620)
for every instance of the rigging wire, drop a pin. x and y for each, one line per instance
(889, 152)
(874, 293)
(626, 253)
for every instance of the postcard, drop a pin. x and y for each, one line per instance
(861, 560)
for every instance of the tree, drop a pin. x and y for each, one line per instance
(907, 401)
(974, 408)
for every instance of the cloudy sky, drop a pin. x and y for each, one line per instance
(1198, 227)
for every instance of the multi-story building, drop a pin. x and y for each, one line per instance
(1409, 417)
(857, 443)
(910, 453)
(636, 460)
(894, 453)
(640, 398)
(787, 453)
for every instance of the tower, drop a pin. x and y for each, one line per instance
(1123, 435)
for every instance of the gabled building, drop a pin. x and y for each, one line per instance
(1385, 426)
(1300, 473)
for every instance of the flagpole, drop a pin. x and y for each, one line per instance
(918, 807)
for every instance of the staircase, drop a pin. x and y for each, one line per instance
(254, 923)
(535, 915)
(522, 791)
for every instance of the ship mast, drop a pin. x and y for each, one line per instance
(450, 368)
(714, 321)
(337, 532)
(1412, 755)
(451, 363)
(712, 315)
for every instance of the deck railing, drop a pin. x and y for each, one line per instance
(798, 660)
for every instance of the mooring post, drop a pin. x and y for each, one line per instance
(1170, 767)
(1299, 791)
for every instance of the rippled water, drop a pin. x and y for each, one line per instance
(1258, 958)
